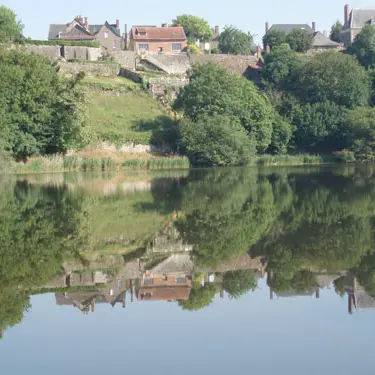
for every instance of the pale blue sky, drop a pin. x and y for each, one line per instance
(245, 14)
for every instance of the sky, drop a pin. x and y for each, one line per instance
(247, 15)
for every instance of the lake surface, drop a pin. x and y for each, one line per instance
(239, 270)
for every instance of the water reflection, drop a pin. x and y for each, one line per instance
(186, 237)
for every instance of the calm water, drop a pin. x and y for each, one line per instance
(204, 271)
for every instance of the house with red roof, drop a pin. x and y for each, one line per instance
(158, 40)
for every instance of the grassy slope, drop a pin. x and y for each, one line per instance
(131, 117)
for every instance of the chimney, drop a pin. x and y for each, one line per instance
(317, 293)
(126, 37)
(86, 22)
(346, 13)
(267, 27)
(217, 31)
(314, 26)
(117, 24)
(259, 55)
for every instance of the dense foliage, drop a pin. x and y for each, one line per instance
(10, 28)
(335, 32)
(196, 28)
(300, 40)
(214, 91)
(234, 41)
(274, 38)
(41, 113)
(364, 46)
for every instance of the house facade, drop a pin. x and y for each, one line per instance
(109, 35)
(354, 21)
(157, 40)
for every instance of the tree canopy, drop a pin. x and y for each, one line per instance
(234, 41)
(214, 91)
(300, 40)
(274, 38)
(335, 32)
(195, 27)
(364, 46)
(10, 28)
(42, 112)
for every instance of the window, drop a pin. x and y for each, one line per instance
(176, 47)
(165, 277)
(105, 35)
(143, 46)
(181, 280)
(115, 44)
(149, 281)
(119, 284)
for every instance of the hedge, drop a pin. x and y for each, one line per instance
(61, 43)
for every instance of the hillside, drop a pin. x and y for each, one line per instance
(120, 111)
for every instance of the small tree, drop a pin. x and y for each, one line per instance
(235, 41)
(196, 28)
(274, 38)
(199, 298)
(10, 28)
(364, 46)
(216, 141)
(336, 31)
(300, 40)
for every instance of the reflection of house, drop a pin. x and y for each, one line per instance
(109, 35)
(157, 40)
(354, 21)
(358, 298)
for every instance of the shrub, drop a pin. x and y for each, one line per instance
(216, 141)
(345, 156)
(194, 49)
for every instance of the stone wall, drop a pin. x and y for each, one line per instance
(91, 69)
(52, 52)
(126, 59)
(174, 64)
(233, 63)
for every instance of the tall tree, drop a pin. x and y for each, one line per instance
(300, 40)
(214, 91)
(274, 38)
(364, 47)
(195, 27)
(10, 28)
(335, 32)
(235, 41)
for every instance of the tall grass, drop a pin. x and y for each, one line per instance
(299, 159)
(59, 163)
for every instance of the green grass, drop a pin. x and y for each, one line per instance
(300, 159)
(126, 119)
(59, 163)
(110, 83)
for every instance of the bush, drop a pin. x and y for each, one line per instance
(60, 43)
(216, 141)
(194, 49)
(345, 156)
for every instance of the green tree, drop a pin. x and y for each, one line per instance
(281, 67)
(10, 28)
(335, 77)
(195, 27)
(234, 41)
(216, 140)
(41, 112)
(214, 91)
(300, 40)
(281, 135)
(274, 38)
(336, 31)
(199, 298)
(238, 283)
(364, 46)
(359, 132)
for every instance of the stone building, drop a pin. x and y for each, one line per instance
(109, 35)
(354, 21)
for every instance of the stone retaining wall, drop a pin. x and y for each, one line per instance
(99, 70)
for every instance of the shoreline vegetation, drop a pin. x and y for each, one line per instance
(60, 163)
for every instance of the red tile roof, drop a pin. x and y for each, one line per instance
(179, 293)
(158, 33)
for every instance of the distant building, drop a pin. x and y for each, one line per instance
(109, 35)
(157, 40)
(354, 21)
(320, 41)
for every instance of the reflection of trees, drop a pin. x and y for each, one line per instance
(200, 297)
(238, 283)
(39, 227)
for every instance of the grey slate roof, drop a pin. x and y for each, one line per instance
(287, 28)
(321, 41)
(359, 17)
(54, 31)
